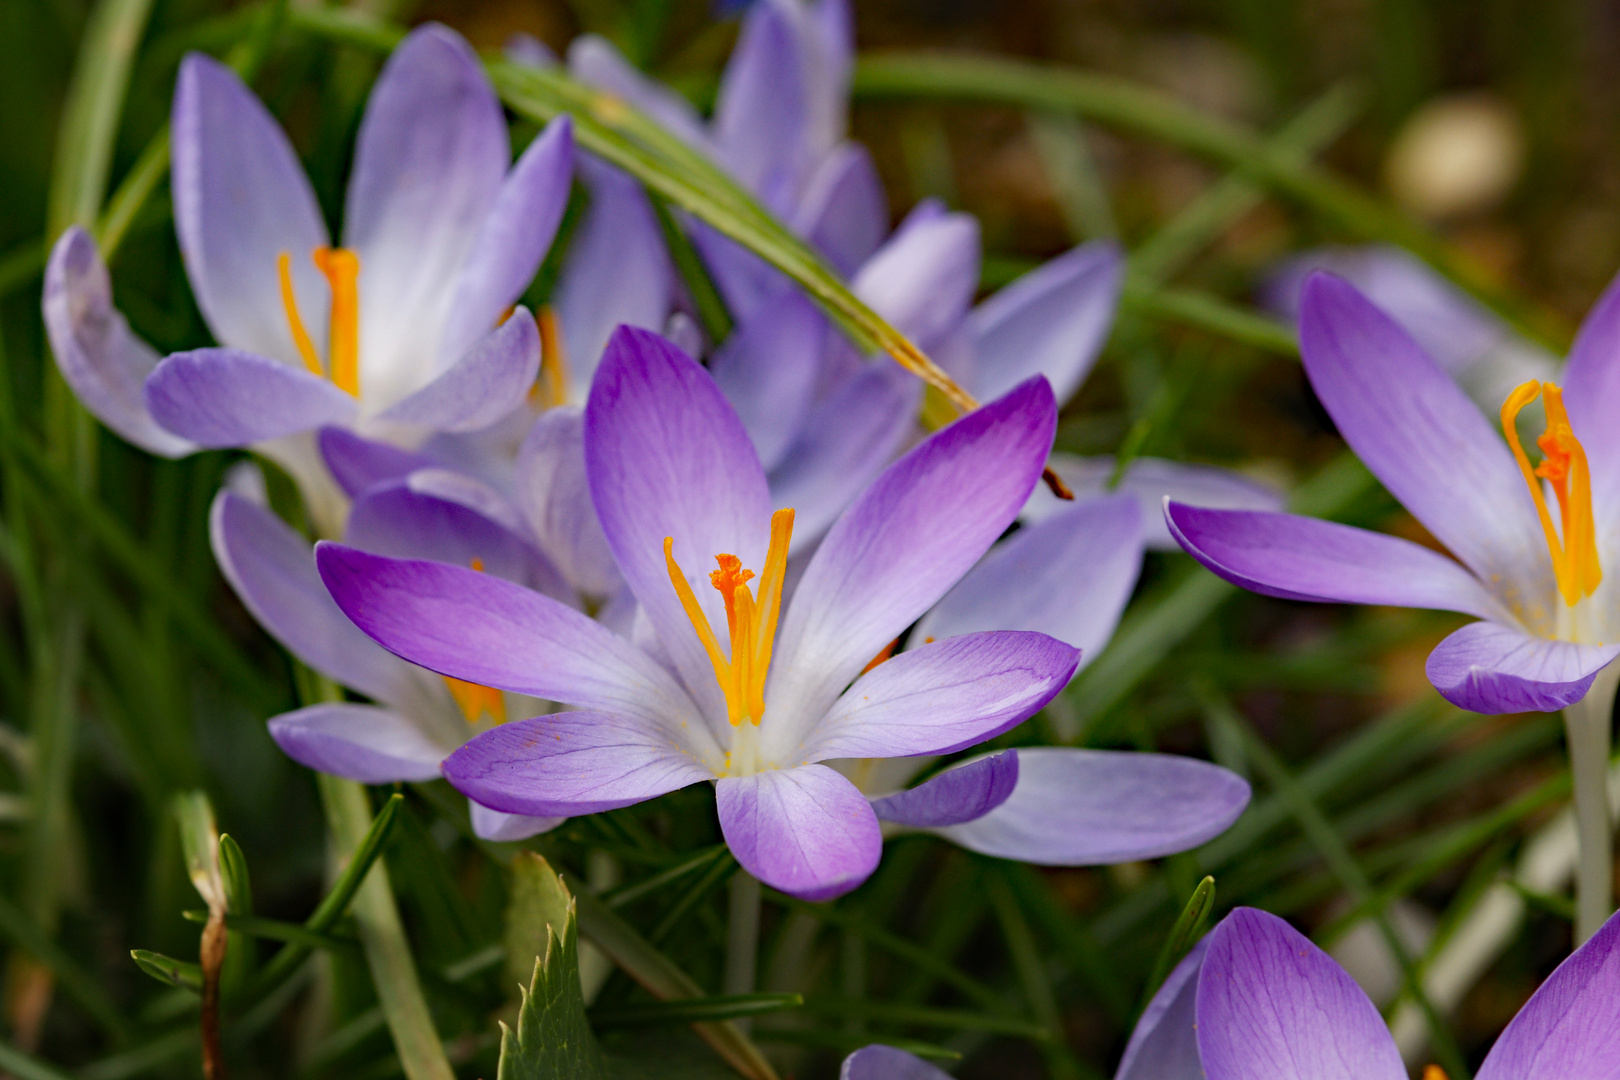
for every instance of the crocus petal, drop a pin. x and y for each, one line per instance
(806, 831)
(878, 1062)
(1592, 396)
(1424, 440)
(1068, 576)
(396, 520)
(1164, 1044)
(222, 397)
(936, 699)
(745, 280)
(513, 239)
(494, 825)
(1096, 807)
(761, 114)
(844, 441)
(668, 457)
(240, 200)
(1301, 558)
(570, 763)
(486, 630)
(956, 795)
(616, 272)
(359, 742)
(843, 210)
(272, 570)
(1052, 321)
(100, 357)
(1570, 1027)
(357, 463)
(1271, 1004)
(429, 160)
(1491, 668)
(554, 495)
(1151, 481)
(768, 368)
(910, 536)
(594, 60)
(484, 385)
(923, 278)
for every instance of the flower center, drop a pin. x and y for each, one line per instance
(1575, 561)
(341, 268)
(750, 619)
(475, 699)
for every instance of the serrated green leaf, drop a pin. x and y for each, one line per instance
(552, 1038)
(539, 906)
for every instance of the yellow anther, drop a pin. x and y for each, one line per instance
(477, 700)
(750, 619)
(342, 270)
(289, 301)
(1575, 560)
(1433, 1072)
(551, 386)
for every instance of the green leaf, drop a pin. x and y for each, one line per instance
(1189, 927)
(169, 971)
(552, 1038)
(695, 1010)
(538, 908)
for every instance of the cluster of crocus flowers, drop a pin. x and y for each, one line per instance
(1532, 576)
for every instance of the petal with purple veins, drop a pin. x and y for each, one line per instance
(923, 279)
(554, 495)
(806, 831)
(1164, 1043)
(485, 385)
(360, 742)
(1491, 668)
(223, 398)
(768, 370)
(506, 828)
(958, 794)
(357, 463)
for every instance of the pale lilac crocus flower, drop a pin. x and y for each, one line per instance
(710, 687)
(398, 333)
(418, 718)
(1256, 1000)
(1530, 546)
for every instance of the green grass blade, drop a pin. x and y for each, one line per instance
(694, 1010)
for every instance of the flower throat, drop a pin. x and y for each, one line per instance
(1564, 467)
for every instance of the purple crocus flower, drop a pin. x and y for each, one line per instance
(399, 332)
(1531, 574)
(674, 480)
(419, 717)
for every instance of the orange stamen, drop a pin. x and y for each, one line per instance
(1564, 467)
(551, 387)
(751, 620)
(883, 654)
(289, 301)
(342, 270)
(1433, 1072)
(476, 699)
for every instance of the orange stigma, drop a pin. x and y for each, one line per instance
(341, 268)
(750, 619)
(1564, 467)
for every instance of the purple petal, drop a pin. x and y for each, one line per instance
(762, 113)
(1422, 438)
(1052, 321)
(360, 742)
(1592, 396)
(844, 212)
(768, 370)
(878, 1062)
(844, 441)
(571, 763)
(1490, 668)
(1570, 1027)
(956, 795)
(909, 537)
(1301, 558)
(616, 272)
(936, 699)
(513, 239)
(745, 280)
(594, 60)
(1095, 807)
(486, 630)
(1164, 1044)
(272, 570)
(806, 831)
(524, 48)
(1271, 1004)
(101, 359)
(668, 457)
(494, 825)
(1151, 481)
(429, 160)
(923, 279)
(482, 387)
(222, 397)
(357, 463)
(396, 520)
(240, 200)
(1068, 576)
(554, 494)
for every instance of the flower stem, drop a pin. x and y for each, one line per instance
(742, 937)
(1587, 725)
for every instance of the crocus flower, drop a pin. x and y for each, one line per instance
(1530, 572)
(418, 718)
(399, 332)
(735, 684)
